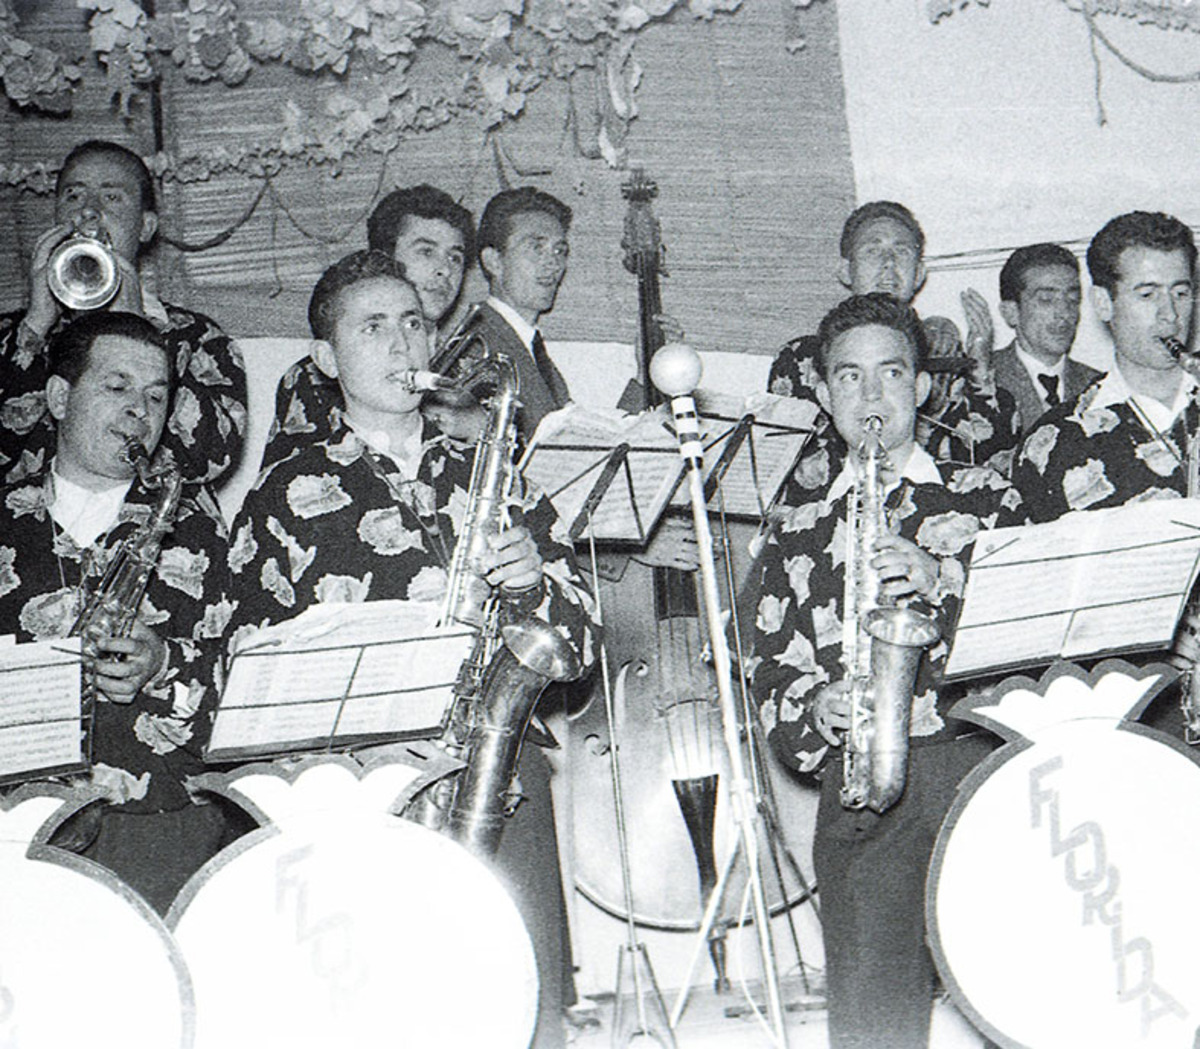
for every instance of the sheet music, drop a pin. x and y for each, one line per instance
(572, 445)
(568, 453)
(41, 723)
(338, 673)
(781, 427)
(1091, 583)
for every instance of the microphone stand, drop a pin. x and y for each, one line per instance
(675, 370)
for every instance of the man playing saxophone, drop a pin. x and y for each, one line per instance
(110, 386)
(871, 866)
(373, 511)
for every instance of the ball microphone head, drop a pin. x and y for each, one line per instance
(675, 369)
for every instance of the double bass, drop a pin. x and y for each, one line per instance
(666, 718)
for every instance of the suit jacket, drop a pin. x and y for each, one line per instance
(539, 394)
(1013, 376)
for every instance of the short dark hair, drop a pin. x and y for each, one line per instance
(875, 209)
(70, 349)
(425, 202)
(100, 147)
(345, 273)
(1032, 256)
(875, 308)
(1144, 229)
(495, 225)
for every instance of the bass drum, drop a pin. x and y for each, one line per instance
(669, 730)
(337, 923)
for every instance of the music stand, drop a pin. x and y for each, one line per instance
(339, 676)
(46, 719)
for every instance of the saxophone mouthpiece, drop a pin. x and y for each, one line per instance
(1174, 347)
(416, 380)
(135, 454)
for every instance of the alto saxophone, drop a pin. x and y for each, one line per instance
(882, 645)
(511, 663)
(113, 605)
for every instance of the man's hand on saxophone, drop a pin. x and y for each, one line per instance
(125, 665)
(512, 560)
(831, 712)
(904, 569)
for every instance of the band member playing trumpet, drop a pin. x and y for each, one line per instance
(373, 510)
(109, 389)
(871, 867)
(105, 191)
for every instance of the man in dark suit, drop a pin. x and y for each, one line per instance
(522, 249)
(1039, 300)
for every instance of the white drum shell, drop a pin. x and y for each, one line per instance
(1061, 903)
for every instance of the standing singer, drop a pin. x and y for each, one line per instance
(372, 511)
(871, 867)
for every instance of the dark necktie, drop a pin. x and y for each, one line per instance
(553, 379)
(1050, 383)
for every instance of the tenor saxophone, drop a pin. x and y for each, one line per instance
(882, 646)
(511, 663)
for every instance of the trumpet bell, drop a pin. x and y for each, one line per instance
(83, 273)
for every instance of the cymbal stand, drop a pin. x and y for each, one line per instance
(648, 1020)
(676, 372)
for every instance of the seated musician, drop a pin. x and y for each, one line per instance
(106, 190)
(973, 423)
(111, 378)
(372, 511)
(433, 237)
(871, 867)
(1125, 438)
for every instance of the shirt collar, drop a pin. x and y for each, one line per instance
(83, 514)
(920, 469)
(519, 324)
(154, 309)
(1113, 390)
(1036, 367)
(407, 456)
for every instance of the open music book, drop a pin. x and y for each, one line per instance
(625, 469)
(1092, 583)
(44, 730)
(339, 675)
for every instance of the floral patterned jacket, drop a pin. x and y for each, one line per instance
(1096, 452)
(144, 751)
(967, 426)
(336, 522)
(798, 628)
(208, 417)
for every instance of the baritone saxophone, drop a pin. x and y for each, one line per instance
(882, 646)
(511, 661)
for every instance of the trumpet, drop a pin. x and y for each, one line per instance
(83, 273)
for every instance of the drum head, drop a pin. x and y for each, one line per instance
(372, 931)
(1061, 898)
